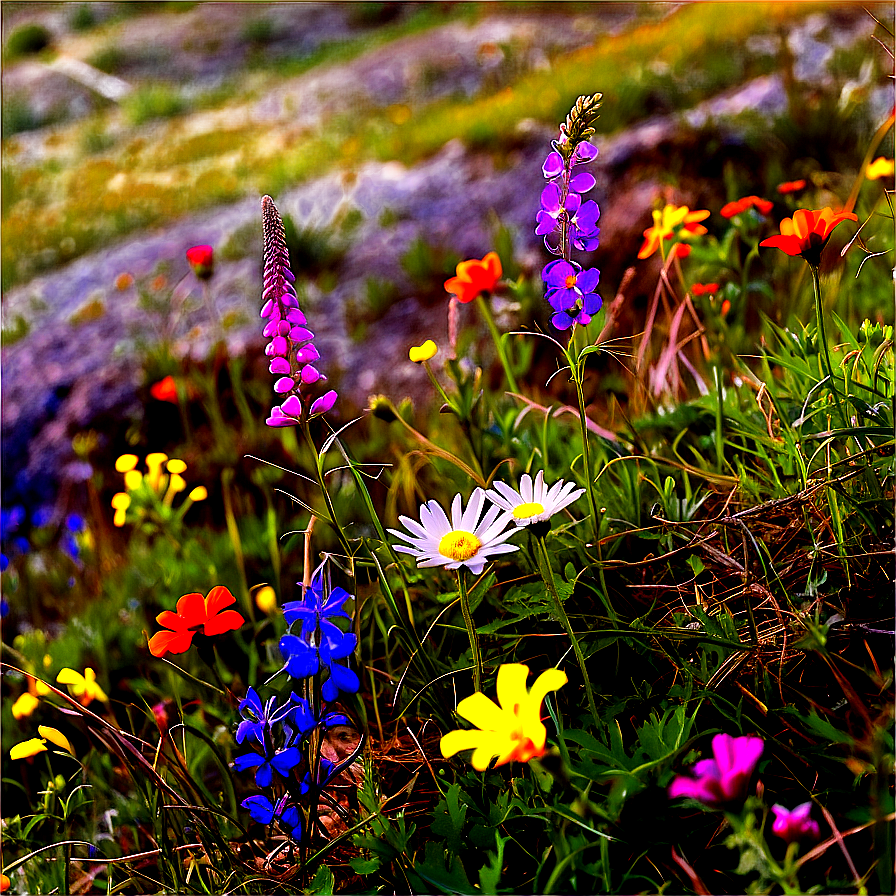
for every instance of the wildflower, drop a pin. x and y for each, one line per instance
(282, 762)
(420, 353)
(5, 883)
(202, 261)
(879, 168)
(194, 612)
(125, 463)
(721, 781)
(124, 281)
(200, 493)
(677, 221)
(316, 610)
(266, 599)
(264, 811)
(462, 541)
(534, 502)
(36, 745)
(84, 687)
(258, 718)
(25, 705)
(807, 233)
(120, 504)
(739, 206)
(791, 186)
(704, 289)
(475, 277)
(291, 348)
(571, 293)
(164, 390)
(795, 824)
(304, 659)
(512, 730)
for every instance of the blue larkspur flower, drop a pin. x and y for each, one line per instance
(283, 762)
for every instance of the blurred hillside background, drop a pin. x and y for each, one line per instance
(397, 139)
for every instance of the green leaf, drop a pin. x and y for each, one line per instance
(449, 817)
(490, 872)
(360, 865)
(443, 871)
(323, 882)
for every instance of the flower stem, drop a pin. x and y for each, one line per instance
(499, 345)
(547, 574)
(471, 629)
(720, 404)
(823, 339)
(586, 448)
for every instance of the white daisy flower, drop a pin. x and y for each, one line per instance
(534, 502)
(461, 541)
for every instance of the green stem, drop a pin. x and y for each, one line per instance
(823, 339)
(471, 629)
(499, 345)
(319, 476)
(720, 398)
(575, 372)
(547, 574)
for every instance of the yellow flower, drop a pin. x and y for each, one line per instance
(39, 744)
(84, 687)
(126, 462)
(28, 748)
(176, 466)
(420, 353)
(673, 221)
(24, 706)
(879, 168)
(132, 480)
(154, 463)
(512, 731)
(55, 737)
(120, 504)
(200, 493)
(266, 599)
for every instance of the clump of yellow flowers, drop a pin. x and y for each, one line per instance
(152, 493)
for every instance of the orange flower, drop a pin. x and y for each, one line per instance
(807, 232)
(679, 222)
(791, 186)
(164, 390)
(739, 206)
(194, 612)
(475, 277)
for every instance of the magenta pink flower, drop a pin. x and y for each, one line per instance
(202, 260)
(795, 824)
(722, 781)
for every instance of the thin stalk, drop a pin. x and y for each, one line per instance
(586, 448)
(497, 339)
(319, 476)
(720, 398)
(823, 339)
(471, 629)
(547, 574)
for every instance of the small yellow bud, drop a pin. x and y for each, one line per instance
(132, 480)
(24, 706)
(420, 353)
(126, 462)
(266, 599)
(200, 493)
(176, 466)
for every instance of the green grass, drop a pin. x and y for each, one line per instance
(695, 44)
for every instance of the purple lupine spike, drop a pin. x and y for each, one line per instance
(290, 347)
(566, 222)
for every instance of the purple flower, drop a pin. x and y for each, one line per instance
(282, 762)
(583, 230)
(290, 348)
(553, 165)
(316, 610)
(552, 206)
(264, 811)
(795, 824)
(722, 781)
(571, 293)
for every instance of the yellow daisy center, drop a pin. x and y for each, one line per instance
(526, 511)
(459, 545)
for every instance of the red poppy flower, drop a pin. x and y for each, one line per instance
(475, 277)
(202, 260)
(807, 232)
(739, 206)
(164, 390)
(704, 289)
(194, 612)
(791, 186)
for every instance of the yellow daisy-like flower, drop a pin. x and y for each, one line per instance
(512, 731)
(879, 168)
(420, 353)
(84, 687)
(24, 706)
